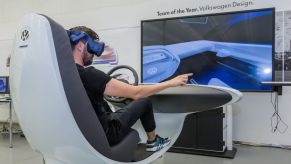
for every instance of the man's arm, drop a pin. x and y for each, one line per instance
(121, 89)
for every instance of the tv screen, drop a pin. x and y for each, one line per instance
(4, 89)
(226, 49)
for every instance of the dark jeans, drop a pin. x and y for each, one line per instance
(123, 119)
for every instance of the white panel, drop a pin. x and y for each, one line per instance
(7, 30)
(103, 18)
(83, 6)
(251, 118)
(5, 51)
(16, 9)
(1, 11)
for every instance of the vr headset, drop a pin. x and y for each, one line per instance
(93, 46)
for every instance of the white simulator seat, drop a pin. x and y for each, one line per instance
(54, 110)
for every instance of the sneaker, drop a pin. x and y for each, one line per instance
(157, 144)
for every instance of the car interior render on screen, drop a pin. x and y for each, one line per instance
(226, 49)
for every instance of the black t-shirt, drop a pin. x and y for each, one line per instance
(95, 82)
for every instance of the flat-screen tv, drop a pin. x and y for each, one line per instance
(232, 49)
(4, 85)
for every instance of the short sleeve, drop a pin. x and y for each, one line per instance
(96, 80)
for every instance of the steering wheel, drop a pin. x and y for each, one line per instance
(120, 73)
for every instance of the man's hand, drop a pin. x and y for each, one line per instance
(179, 80)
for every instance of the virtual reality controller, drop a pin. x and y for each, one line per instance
(93, 46)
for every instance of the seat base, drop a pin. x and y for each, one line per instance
(141, 152)
(226, 154)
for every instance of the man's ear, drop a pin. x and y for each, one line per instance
(80, 46)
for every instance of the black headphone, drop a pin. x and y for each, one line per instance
(93, 46)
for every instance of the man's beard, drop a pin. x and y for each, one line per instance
(87, 59)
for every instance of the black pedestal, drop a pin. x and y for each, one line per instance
(202, 134)
(226, 154)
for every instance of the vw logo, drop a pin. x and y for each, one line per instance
(152, 70)
(24, 35)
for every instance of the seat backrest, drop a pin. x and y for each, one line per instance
(78, 100)
(47, 92)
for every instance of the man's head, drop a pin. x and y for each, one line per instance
(80, 51)
(87, 30)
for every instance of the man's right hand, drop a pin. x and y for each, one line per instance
(179, 80)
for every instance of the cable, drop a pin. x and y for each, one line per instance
(276, 116)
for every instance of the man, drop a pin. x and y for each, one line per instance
(118, 124)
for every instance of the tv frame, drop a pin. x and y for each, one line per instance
(7, 89)
(212, 14)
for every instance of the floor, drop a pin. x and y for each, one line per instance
(21, 153)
